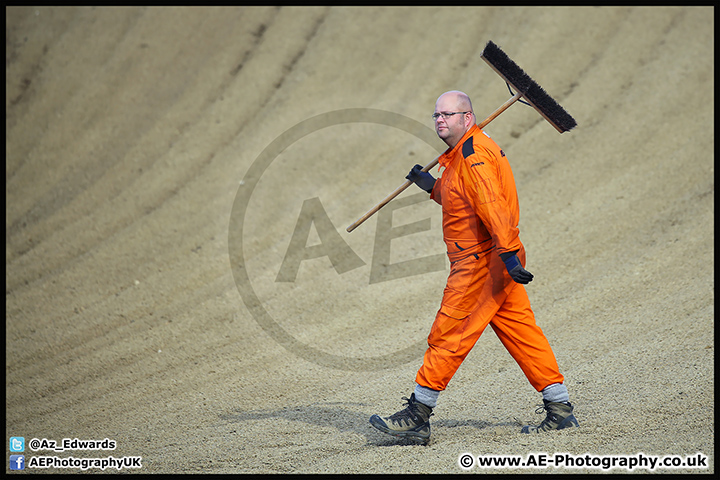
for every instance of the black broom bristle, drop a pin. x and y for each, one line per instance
(530, 89)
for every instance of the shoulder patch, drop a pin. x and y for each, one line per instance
(467, 148)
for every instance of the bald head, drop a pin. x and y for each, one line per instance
(457, 99)
(452, 128)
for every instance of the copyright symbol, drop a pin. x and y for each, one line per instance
(466, 461)
(34, 444)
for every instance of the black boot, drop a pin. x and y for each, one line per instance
(559, 416)
(411, 422)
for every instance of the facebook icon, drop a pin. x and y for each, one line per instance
(17, 462)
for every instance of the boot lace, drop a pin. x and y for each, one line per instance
(550, 417)
(408, 413)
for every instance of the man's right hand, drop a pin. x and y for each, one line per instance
(422, 179)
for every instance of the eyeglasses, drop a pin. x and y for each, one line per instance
(446, 115)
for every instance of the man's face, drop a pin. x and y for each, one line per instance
(452, 128)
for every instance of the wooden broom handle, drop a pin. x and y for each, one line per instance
(428, 167)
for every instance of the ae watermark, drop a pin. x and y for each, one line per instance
(330, 242)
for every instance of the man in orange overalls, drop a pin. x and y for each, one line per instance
(485, 286)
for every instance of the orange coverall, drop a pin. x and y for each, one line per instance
(480, 218)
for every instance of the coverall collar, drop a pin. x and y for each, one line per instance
(447, 158)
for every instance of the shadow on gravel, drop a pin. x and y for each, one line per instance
(351, 417)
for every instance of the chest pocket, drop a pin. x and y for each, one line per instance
(475, 171)
(484, 190)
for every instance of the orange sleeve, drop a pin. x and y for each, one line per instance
(488, 189)
(435, 193)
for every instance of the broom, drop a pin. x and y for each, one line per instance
(525, 87)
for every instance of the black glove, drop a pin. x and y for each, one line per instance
(422, 179)
(516, 271)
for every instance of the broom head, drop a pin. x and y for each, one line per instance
(531, 91)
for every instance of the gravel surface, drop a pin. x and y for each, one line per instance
(179, 278)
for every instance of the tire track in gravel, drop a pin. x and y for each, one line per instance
(49, 215)
(76, 348)
(48, 227)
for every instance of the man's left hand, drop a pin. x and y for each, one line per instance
(516, 270)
